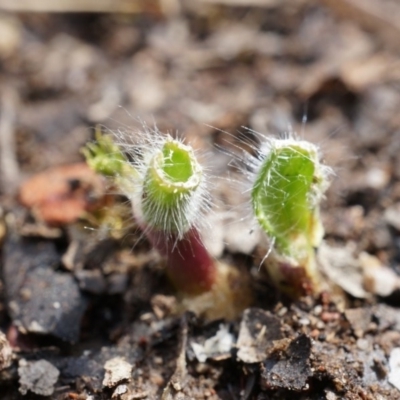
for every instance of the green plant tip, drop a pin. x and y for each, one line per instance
(104, 156)
(177, 162)
(171, 187)
(280, 195)
(174, 170)
(286, 194)
(285, 197)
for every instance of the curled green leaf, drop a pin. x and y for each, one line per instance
(173, 192)
(285, 197)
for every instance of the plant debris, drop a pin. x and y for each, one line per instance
(117, 370)
(258, 331)
(63, 194)
(5, 352)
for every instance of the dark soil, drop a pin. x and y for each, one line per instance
(85, 304)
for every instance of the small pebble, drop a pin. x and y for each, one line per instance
(304, 321)
(318, 310)
(282, 312)
(362, 344)
(39, 377)
(320, 325)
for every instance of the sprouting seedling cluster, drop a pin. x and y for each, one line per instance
(288, 185)
(167, 187)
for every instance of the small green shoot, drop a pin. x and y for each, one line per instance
(168, 205)
(167, 188)
(172, 190)
(104, 156)
(288, 187)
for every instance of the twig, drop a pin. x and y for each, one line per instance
(178, 379)
(9, 169)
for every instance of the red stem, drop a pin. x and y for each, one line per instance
(190, 267)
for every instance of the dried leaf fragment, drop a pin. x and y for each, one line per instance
(258, 330)
(62, 194)
(117, 370)
(5, 352)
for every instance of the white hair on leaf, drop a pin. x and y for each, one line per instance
(190, 197)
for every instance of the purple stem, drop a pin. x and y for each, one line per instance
(190, 267)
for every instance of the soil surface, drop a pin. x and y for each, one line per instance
(86, 309)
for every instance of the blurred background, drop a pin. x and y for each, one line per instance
(204, 69)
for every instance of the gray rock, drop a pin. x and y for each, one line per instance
(40, 299)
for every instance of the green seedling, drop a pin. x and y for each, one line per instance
(170, 199)
(288, 186)
(167, 189)
(106, 158)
